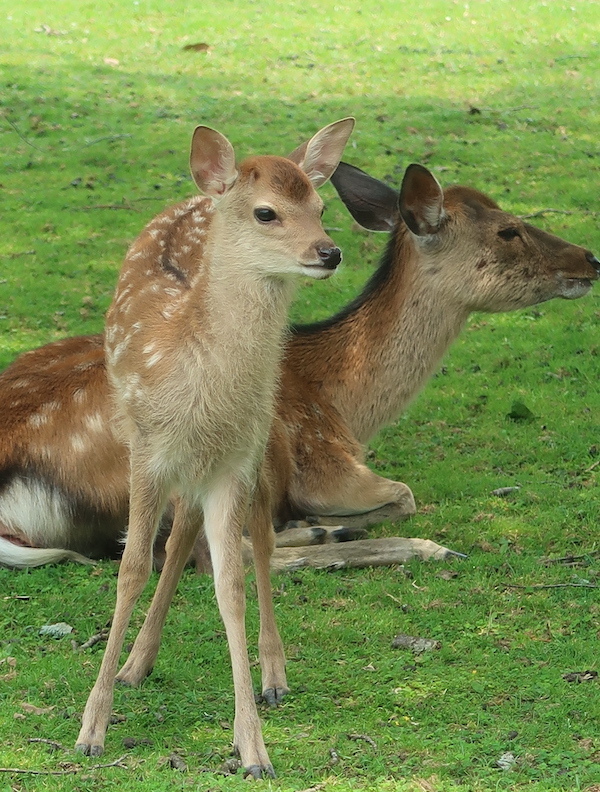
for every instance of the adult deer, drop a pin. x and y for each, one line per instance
(64, 474)
(193, 341)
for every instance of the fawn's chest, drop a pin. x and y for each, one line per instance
(193, 357)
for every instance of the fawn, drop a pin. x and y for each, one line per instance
(193, 342)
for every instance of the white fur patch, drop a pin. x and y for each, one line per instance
(154, 359)
(80, 395)
(79, 443)
(95, 422)
(36, 420)
(39, 513)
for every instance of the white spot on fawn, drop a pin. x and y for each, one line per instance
(78, 443)
(36, 420)
(51, 406)
(80, 395)
(154, 359)
(95, 422)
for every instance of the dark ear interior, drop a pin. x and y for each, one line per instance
(371, 203)
(421, 201)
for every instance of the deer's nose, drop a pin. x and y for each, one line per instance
(593, 261)
(330, 256)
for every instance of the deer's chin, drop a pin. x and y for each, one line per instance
(318, 271)
(573, 288)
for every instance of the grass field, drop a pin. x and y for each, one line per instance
(97, 106)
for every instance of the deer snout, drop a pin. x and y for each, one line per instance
(330, 256)
(593, 261)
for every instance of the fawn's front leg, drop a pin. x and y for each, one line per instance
(147, 501)
(225, 509)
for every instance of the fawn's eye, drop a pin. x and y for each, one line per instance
(509, 233)
(265, 215)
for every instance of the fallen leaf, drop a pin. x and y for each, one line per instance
(502, 492)
(231, 766)
(177, 763)
(200, 46)
(416, 645)
(447, 574)
(507, 761)
(33, 710)
(580, 676)
(520, 412)
(58, 630)
(49, 31)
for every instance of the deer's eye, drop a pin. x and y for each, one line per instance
(265, 215)
(509, 233)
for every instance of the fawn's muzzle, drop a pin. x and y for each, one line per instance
(330, 257)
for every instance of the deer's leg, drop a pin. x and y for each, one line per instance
(357, 493)
(186, 524)
(147, 500)
(225, 511)
(270, 645)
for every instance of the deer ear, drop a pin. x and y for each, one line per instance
(319, 157)
(421, 201)
(212, 161)
(371, 202)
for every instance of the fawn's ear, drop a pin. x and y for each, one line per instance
(371, 202)
(212, 161)
(421, 201)
(319, 157)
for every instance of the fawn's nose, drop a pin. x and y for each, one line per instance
(593, 261)
(330, 256)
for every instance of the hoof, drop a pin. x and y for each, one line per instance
(257, 772)
(89, 750)
(347, 534)
(274, 696)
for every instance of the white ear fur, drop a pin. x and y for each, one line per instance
(319, 157)
(212, 161)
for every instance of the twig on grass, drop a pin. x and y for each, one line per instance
(105, 206)
(52, 743)
(542, 212)
(23, 138)
(127, 204)
(117, 763)
(94, 639)
(106, 137)
(551, 585)
(365, 738)
(570, 559)
(21, 253)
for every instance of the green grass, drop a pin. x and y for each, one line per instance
(501, 96)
